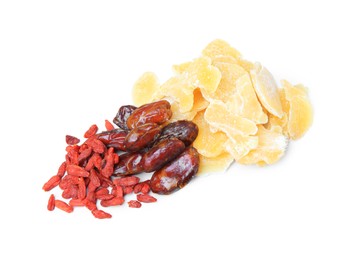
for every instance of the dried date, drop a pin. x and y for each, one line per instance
(184, 130)
(176, 174)
(156, 112)
(122, 115)
(129, 163)
(141, 137)
(114, 138)
(162, 153)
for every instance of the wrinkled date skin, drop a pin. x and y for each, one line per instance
(142, 136)
(184, 130)
(129, 163)
(156, 112)
(162, 153)
(114, 138)
(177, 173)
(122, 115)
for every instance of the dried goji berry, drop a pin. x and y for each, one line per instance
(51, 183)
(126, 181)
(91, 131)
(134, 204)
(100, 214)
(145, 188)
(77, 171)
(51, 203)
(62, 169)
(128, 190)
(146, 198)
(77, 202)
(84, 155)
(71, 140)
(138, 188)
(112, 202)
(109, 126)
(82, 188)
(63, 206)
(94, 178)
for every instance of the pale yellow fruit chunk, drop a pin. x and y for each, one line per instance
(224, 58)
(271, 147)
(177, 89)
(181, 68)
(245, 102)
(199, 103)
(276, 121)
(227, 86)
(219, 163)
(219, 117)
(144, 89)
(300, 114)
(178, 115)
(266, 89)
(207, 143)
(247, 65)
(239, 146)
(220, 48)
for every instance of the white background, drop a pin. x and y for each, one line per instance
(65, 65)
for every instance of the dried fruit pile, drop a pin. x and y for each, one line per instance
(241, 112)
(100, 169)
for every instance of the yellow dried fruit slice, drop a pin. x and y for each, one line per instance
(199, 103)
(271, 147)
(144, 89)
(276, 121)
(245, 102)
(239, 146)
(224, 58)
(177, 89)
(220, 48)
(266, 89)
(219, 163)
(219, 117)
(300, 114)
(178, 115)
(247, 65)
(207, 143)
(181, 68)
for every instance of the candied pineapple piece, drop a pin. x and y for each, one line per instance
(144, 89)
(207, 143)
(220, 48)
(219, 117)
(271, 147)
(239, 146)
(247, 65)
(276, 121)
(266, 89)
(300, 111)
(219, 163)
(177, 89)
(245, 101)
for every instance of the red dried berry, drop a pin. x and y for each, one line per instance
(62, 169)
(51, 183)
(134, 204)
(109, 126)
(126, 181)
(145, 188)
(63, 206)
(146, 198)
(77, 171)
(91, 131)
(51, 203)
(77, 202)
(71, 140)
(100, 214)
(112, 202)
(138, 188)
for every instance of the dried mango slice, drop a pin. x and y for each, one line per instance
(245, 101)
(177, 89)
(219, 163)
(239, 146)
(144, 89)
(220, 48)
(207, 143)
(219, 117)
(300, 113)
(271, 147)
(266, 89)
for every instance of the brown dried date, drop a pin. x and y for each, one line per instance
(122, 115)
(141, 136)
(162, 153)
(129, 163)
(176, 174)
(156, 112)
(114, 138)
(184, 130)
